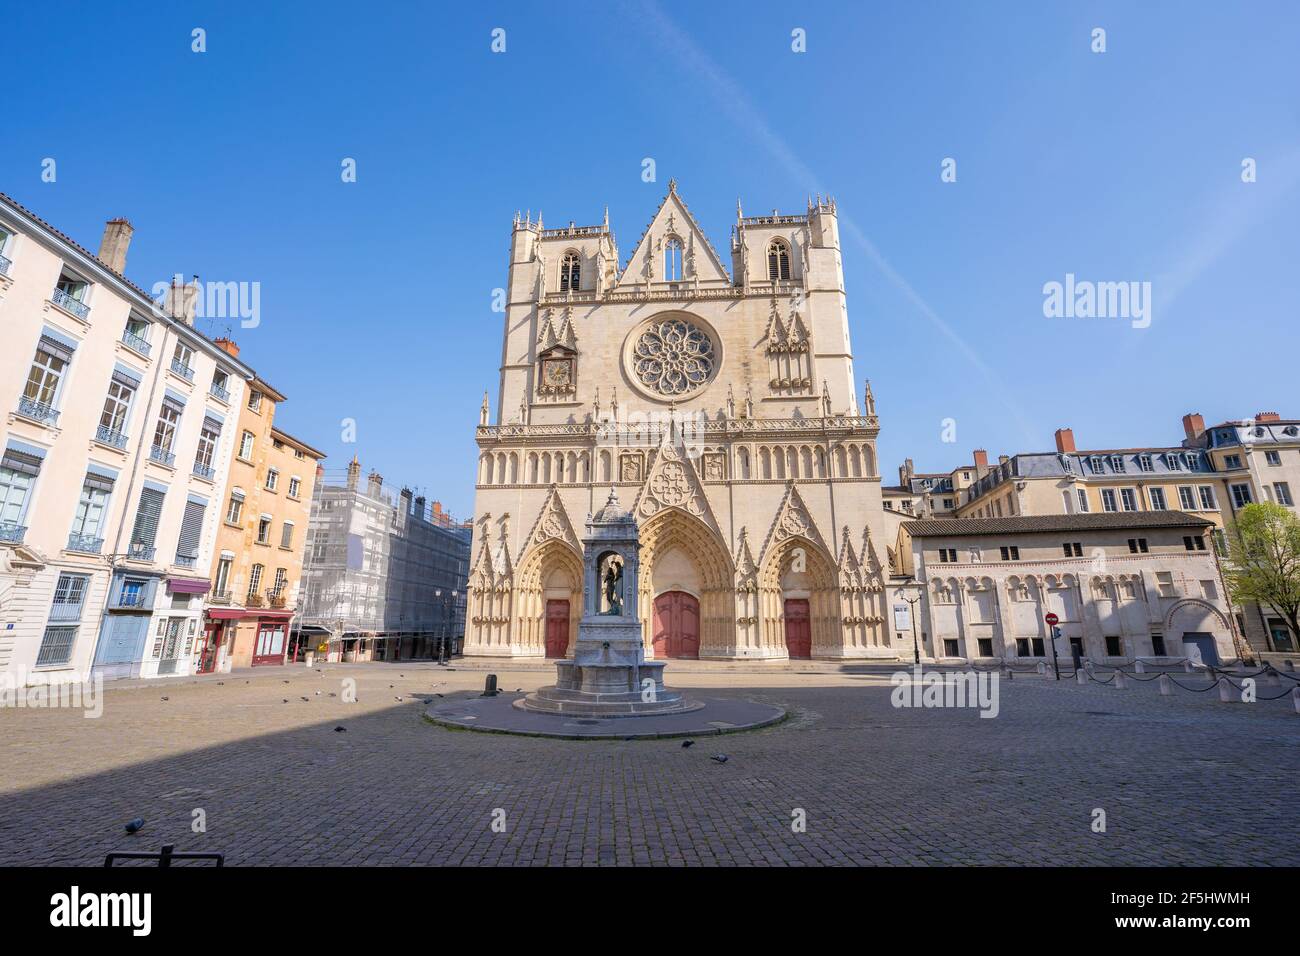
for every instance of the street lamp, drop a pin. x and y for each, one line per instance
(913, 601)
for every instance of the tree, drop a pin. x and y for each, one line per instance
(1263, 563)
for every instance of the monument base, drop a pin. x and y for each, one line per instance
(608, 690)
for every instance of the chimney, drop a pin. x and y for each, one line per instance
(1267, 417)
(354, 473)
(117, 239)
(227, 345)
(1193, 425)
(981, 461)
(1003, 459)
(419, 505)
(375, 483)
(181, 299)
(1065, 440)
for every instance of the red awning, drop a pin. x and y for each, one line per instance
(271, 615)
(225, 613)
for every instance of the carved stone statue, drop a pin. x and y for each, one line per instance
(613, 586)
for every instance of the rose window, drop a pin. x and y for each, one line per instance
(673, 357)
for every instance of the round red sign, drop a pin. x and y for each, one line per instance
(1051, 620)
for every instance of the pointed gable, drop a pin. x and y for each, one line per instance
(552, 524)
(672, 219)
(793, 519)
(673, 482)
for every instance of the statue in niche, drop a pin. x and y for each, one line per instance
(611, 576)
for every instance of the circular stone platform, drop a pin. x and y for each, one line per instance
(716, 715)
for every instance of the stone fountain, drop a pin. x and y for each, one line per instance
(609, 675)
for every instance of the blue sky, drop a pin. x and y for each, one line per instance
(376, 295)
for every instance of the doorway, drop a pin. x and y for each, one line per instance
(557, 628)
(798, 629)
(676, 626)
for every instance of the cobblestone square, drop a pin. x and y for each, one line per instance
(1182, 780)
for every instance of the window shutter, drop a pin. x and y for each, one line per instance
(21, 462)
(146, 517)
(212, 424)
(191, 529)
(99, 483)
(53, 346)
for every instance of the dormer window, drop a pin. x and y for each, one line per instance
(1144, 463)
(673, 260)
(570, 272)
(778, 260)
(1095, 465)
(1116, 464)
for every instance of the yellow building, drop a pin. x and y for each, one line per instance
(257, 561)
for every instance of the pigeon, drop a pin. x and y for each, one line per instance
(317, 693)
(720, 758)
(134, 825)
(284, 682)
(398, 699)
(286, 700)
(340, 729)
(306, 700)
(221, 683)
(332, 694)
(437, 694)
(166, 698)
(687, 743)
(391, 686)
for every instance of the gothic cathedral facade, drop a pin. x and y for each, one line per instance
(719, 405)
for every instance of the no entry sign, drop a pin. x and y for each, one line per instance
(1051, 619)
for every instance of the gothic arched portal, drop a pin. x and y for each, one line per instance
(667, 540)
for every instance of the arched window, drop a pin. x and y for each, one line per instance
(778, 260)
(673, 260)
(570, 273)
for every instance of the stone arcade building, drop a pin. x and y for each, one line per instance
(720, 404)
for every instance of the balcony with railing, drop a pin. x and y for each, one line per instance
(5, 263)
(135, 342)
(65, 611)
(37, 411)
(11, 532)
(183, 370)
(220, 597)
(203, 471)
(129, 600)
(68, 303)
(186, 560)
(162, 456)
(110, 436)
(85, 543)
(139, 551)
(276, 597)
(254, 600)
(219, 393)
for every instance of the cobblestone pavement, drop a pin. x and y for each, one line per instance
(1183, 780)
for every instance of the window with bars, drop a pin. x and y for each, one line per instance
(56, 645)
(69, 596)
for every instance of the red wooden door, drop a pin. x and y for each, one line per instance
(211, 643)
(676, 625)
(798, 628)
(557, 628)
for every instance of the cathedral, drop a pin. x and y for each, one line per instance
(716, 403)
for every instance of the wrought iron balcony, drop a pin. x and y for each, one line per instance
(203, 471)
(218, 392)
(162, 456)
(85, 543)
(220, 597)
(136, 342)
(63, 611)
(110, 436)
(125, 600)
(183, 370)
(11, 532)
(64, 300)
(254, 600)
(186, 560)
(4, 266)
(139, 551)
(37, 411)
(276, 597)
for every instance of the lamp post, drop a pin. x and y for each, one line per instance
(912, 602)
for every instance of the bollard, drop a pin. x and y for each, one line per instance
(1139, 667)
(1120, 680)
(1295, 699)
(1187, 666)
(490, 686)
(1227, 693)
(1166, 686)
(1010, 673)
(1081, 676)
(1042, 668)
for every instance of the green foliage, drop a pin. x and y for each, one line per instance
(1263, 563)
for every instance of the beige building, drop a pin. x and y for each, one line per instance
(115, 443)
(718, 399)
(258, 558)
(1123, 586)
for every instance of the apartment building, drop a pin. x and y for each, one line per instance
(261, 539)
(116, 437)
(1123, 585)
(386, 577)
